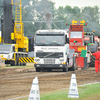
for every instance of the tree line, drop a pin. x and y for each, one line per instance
(33, 16)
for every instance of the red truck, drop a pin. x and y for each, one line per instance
(76, 42)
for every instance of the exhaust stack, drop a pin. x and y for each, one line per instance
(48, 17)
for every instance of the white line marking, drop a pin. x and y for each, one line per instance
(18, 97)
(56, 90)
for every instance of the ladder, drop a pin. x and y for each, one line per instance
(18, 10)
(18, 29)
(18, 34)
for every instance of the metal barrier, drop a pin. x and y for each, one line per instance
(26, 59)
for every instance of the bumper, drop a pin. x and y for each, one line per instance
(50, 66)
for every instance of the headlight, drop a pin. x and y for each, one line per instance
(37, 60)
(61, 60)
(1, 56)
(8, 56)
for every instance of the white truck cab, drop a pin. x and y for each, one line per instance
(9, 52)
(51, 50)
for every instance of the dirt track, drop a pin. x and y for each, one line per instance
(15, 82)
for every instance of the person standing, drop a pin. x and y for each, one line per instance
(97, 60)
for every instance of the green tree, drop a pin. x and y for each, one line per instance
(91, 16)
(35, 11)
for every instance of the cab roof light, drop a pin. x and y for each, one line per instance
(75, 41)
(85, 33)
(92, 44)
(85, 24)
(88, 33)
(93, 31)
(67, 24)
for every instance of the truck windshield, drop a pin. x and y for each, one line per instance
(95, 42)
(75, 34)
(87, 41)
(5, 49)
(49, 39)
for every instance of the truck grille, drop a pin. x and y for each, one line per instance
(49, 54)
(49, 61)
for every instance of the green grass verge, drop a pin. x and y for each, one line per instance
(27, 66)
(88, 92)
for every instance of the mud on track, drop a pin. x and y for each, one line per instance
(15, 82)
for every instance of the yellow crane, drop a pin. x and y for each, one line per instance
(14, 48)
(18, 34)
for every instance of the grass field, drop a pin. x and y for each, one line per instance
(27, 65)
(87, 92)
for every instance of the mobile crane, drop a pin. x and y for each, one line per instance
(13, 42)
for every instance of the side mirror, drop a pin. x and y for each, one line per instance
(66, 39)
(93, 39)
(32, 40)
(13, 48)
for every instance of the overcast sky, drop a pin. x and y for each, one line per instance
(79, 3)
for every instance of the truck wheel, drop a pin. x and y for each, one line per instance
(92, 61)
(73, 68)
(12, 63)
(24, 64)
(85, 67)
(17, 57)
(65, 69)
(38, 69)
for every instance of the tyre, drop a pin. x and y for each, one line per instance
(65, 69)
(24, 64)
(38, 69)
(17, 57)
(92, 61)
(12, 63)
(73, 68)
(85, 67)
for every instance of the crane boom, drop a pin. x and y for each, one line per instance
(18, 34)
